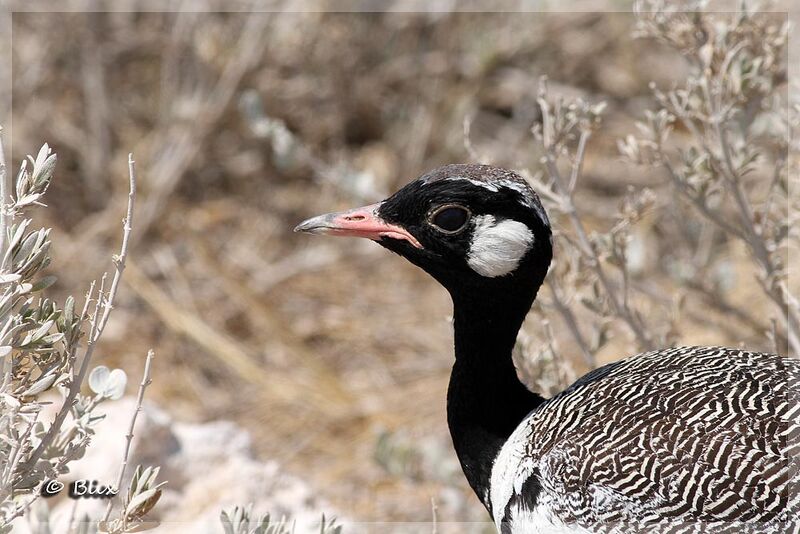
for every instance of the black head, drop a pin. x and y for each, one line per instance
(479, 230)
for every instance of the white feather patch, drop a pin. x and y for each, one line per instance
(511, 468)
(480, 183)
(495, 186)
(498, 247)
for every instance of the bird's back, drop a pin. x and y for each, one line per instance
(674, 440)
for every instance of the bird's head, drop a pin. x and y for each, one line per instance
(478, 230)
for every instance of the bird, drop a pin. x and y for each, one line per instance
(683, 439)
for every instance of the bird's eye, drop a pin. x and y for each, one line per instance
(450, 219)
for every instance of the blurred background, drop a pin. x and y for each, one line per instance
(333, 354)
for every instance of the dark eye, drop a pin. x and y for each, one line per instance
(450, 219)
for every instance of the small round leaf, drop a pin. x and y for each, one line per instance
(98, 378)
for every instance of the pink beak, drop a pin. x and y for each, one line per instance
(359, 222)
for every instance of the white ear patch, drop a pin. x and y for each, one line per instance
(497, 248)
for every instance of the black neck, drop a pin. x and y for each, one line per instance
(485, 399)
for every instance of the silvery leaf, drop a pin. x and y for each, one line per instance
(142, 503)
(108, 384)
(98, 378)
(28, 198)
(9, 277)
(43, 329)
(51, 338)
(40, 157)
(44, 172)
(10, 400)
(115, 384)
(40, 385)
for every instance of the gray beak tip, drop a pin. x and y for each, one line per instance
(314, 225)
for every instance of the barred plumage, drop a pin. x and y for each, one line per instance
(692, 439)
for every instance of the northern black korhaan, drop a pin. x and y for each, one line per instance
(676, 440)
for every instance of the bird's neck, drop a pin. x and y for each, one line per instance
(485, 399)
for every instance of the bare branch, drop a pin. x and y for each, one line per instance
(129, 436)
(548, 136)
(572, 324)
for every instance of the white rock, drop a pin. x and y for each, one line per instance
(208, 466)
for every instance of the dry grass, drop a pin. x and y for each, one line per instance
(244, 125)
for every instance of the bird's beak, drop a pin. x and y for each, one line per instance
(359, 222)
